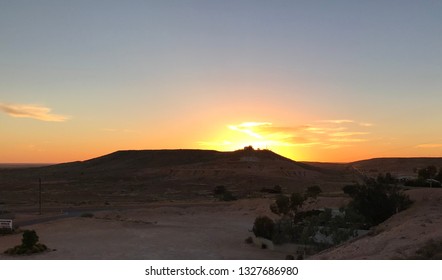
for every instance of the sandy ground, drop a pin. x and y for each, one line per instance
(400, 236)
(212, 231)
(217, 230)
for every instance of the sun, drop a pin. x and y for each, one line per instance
(259, 135)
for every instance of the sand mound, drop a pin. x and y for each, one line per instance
(400, 236)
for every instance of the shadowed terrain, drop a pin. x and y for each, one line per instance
(165, 200)
(151, 175)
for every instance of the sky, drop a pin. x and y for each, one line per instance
(334, 81)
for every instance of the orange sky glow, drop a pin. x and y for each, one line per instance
(306, 79)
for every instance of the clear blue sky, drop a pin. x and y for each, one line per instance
(82, 78)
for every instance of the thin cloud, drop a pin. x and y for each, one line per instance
(324, 130)
(109, 129)
(329, 134)
(250, 128)
(31, 111)
(114, 130)
(335, 146)
(337, 121)
(346, 121)
(348, 134)
(435, 145)
(348, 140)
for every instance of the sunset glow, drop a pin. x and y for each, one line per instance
(306, 79)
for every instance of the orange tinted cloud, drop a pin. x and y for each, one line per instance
(333, 134)
(436, 145)
(31, 111)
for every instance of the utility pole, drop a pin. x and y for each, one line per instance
(39, 196)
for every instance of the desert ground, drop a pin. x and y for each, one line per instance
(161, 205)
(211, 230)
(217, 230)
(400, 236)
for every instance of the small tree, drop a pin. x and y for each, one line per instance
(281, 206)
(263, 227)
(287, 205)
(219, 190)
(377, 202)
(386, 179)
(277, 189)
(296, 201)
(312, 192)
(30, 238)
(223, 194)
(428, 172)
(29, 245)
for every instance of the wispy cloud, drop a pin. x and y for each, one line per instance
(348, 134)
(348, 140)
(250, 128)
(31, 111)
(337, 121)
(109, 129)
(346, 121)
(114, 130)
(434, 145)
(329, 134)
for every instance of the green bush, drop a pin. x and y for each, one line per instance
(29, 245)
(223, 194)
(377, 202)
(281, 205)
(30, 239)
(285, 205)
(263, 227)
(219, 190)
(87, 215)
(312, 192)
(227, 196)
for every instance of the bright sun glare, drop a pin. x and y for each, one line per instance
(259, 135)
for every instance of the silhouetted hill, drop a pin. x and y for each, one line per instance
(136, 160)
(396, 166)
(170, 174)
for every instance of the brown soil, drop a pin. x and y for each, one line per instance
(400, 236)
(214, 231)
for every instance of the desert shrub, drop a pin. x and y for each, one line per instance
(386, 179)
(281, 205)
(296, 201)
(312, 192)
(228, 196)
(275, 189)
(87, 215)
(223, 194)
(377, 202)
(219, 190)
(29, 245)
(285, 205)
(30, 238)
(283, 231)
(428, 172)
(263, 227)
